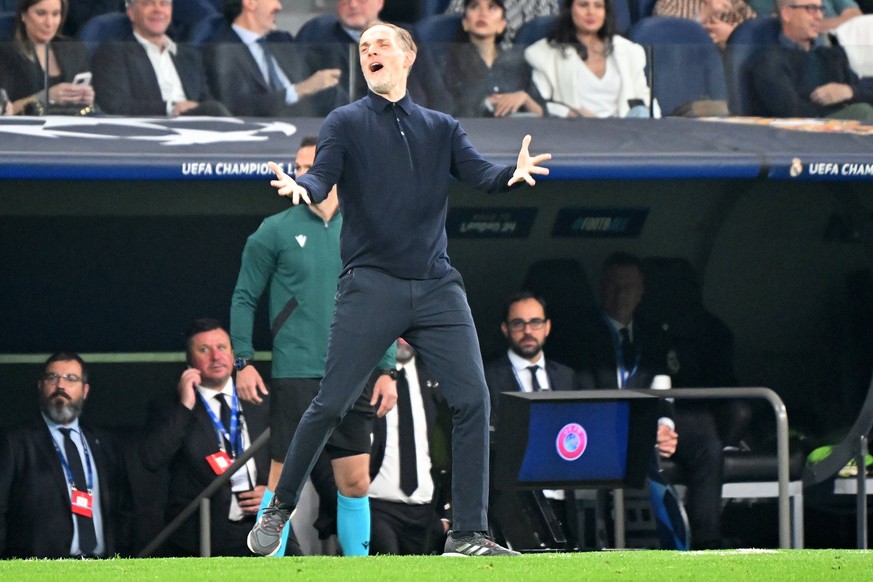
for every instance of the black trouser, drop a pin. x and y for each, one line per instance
(372, 310)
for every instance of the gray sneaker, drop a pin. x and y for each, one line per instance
(266, 537)
(475, 545)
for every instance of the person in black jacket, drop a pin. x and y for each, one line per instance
(197, 437)
(38, 67)
(801, 77)
(254, 70)
(406, 515)
(525, 368)
(63, 491)
(148, 74)
(619, 349)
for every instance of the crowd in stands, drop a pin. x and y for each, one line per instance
(479, 58)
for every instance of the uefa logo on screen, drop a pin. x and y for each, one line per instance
(571, 442)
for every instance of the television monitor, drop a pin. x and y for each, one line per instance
(579, 439)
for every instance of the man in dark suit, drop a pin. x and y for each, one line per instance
(403, 492)
(525, 368)
(335, 48)
(148, 74)
(254, 71)
(199, 436)
(621, 350)
(62, 486)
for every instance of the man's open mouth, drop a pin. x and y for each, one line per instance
(375, 67)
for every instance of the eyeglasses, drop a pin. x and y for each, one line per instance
(52, 378)
(811, 9)
(520, 324)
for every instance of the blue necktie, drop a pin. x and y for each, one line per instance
(272, 71)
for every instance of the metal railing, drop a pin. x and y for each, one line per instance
(202, 502)
(782, 453)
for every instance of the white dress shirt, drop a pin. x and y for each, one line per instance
(386, 485)
(236, 513)
(169, 81)
(96, 510)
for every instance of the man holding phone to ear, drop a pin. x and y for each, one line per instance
(199, 435)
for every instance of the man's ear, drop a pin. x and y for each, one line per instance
(85, 389)
(408, 59)
(504, 329)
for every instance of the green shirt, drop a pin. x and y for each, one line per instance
(297, 254)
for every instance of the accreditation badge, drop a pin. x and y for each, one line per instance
(219, 462)
(82, 503)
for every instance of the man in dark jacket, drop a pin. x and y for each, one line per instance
(148, 74)
(62, 485)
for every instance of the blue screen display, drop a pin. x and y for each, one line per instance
(580, 441)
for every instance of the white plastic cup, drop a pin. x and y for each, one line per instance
(662, 382)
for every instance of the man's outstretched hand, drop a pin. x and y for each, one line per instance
(528, 165)
(287, 186)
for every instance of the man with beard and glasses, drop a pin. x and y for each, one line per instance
(524, 368)
(61, 483)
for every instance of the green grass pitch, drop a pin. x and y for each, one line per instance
(647, 566)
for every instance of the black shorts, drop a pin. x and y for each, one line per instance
(289, 399)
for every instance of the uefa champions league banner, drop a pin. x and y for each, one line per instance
(61, 147)
(198, 148)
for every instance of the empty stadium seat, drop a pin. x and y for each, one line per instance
(743, 48)
(684, 63)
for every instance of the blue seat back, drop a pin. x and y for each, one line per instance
(438, 29)
(533, 30)
(642, 9)
(110, 27)
(683, 62)
(187, 14)
(7, 26)
(204, 31)
(315, 29)
(744, 47)
(623, 17)
(433, 7)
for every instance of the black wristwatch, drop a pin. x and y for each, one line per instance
(241, 363)
(390, 372)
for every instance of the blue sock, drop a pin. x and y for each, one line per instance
(353, 524)
(265, 501)
(268, 497)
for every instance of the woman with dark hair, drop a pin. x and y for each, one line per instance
(584, 69)
(38, 53)
(484, 79)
